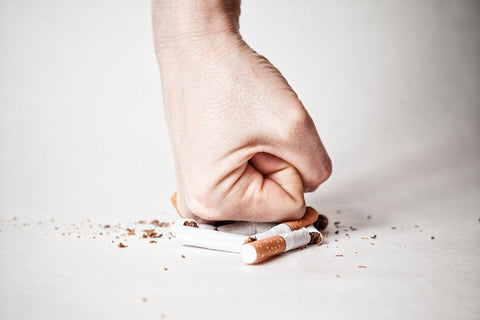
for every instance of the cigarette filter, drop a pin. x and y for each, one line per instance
(259, 250)
(206, 238)
(311, 215)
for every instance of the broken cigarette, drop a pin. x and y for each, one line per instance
(189, 232)
(311, 215)
(259, 250)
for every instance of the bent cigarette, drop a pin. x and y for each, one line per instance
(246, 228)
(189, 232)
(311, 215)
(259, 250)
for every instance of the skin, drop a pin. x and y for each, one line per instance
(244, 146)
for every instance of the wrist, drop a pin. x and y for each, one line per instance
(182, 22)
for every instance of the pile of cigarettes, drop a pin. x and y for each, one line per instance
(256, 247)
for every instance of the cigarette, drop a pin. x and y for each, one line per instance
(189, 232)
(311, 215)
(246, 228)
(259, 250)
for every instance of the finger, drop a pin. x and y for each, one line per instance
(269, 189)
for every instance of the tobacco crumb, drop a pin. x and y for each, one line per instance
(432, 237)
(131, 232)
(159, 224)
(106, 226)
(190, 224)
(321, 223)
(169, 238)
(315, 238)
(373, 237)
(121, 245)
(153, 241)
(362, 267)
(93, 237)
(353, 228)
(336, 223)
(365, 238)
(141, 222)
(113, 241)
(166, 269)
(336, 232)
(416, 226)
(339, 255)
(144, 299)
(337, 275)
(356, 252)
(183, 257)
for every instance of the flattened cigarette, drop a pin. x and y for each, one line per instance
(259, 250)
(186, 233)
(311, 215)
(246, 228)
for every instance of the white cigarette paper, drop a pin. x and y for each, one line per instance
(268, 247)
(206, 238)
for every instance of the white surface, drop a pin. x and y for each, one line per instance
(393, 87)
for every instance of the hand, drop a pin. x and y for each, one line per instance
(245, 148)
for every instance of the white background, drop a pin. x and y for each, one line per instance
(393, 87)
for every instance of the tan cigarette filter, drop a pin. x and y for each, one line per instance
(311, 215)
(173, 200)
(263, 249)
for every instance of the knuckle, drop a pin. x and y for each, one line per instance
(297, 122)
(323, 172)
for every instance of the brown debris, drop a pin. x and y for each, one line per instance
(159, 224)
(144, 299)
(121, 245)
(183, 257)
(339, 255)
(106, 226)
(353, 228)
(362, 267)
(432, 237)
(153, 241)
(166, 269)
(151, 233)
(131, 232)
(373, 237)
(365, 238)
